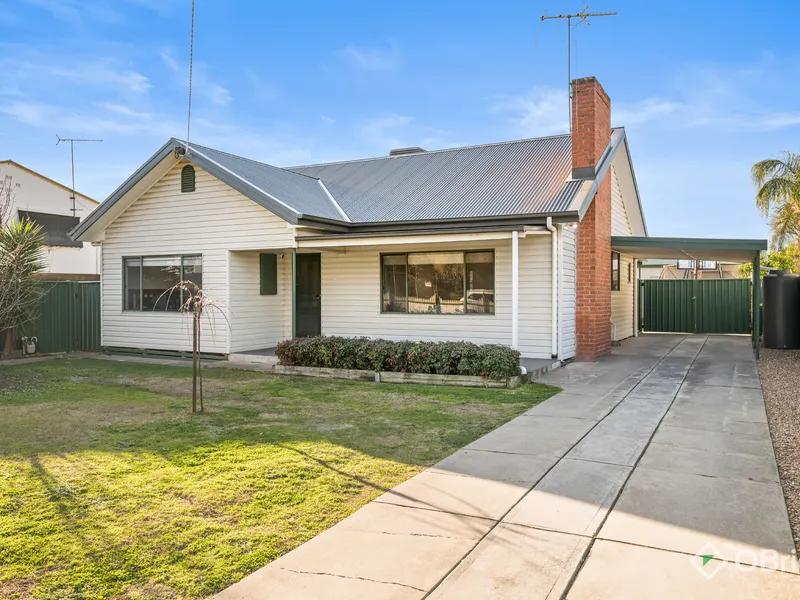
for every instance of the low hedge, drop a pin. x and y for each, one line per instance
(442, 358)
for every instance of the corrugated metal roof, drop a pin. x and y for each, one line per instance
(510, 178)
(302, 193)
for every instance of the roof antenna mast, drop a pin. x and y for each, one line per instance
(191, 56)
(72, 161)
(584, 17)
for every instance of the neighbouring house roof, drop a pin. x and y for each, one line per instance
(56, 228)
(500, 182)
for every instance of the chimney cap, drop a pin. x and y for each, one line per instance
(404, 151)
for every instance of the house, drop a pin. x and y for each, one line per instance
(32, 196)
(688, 269)
(506, 243)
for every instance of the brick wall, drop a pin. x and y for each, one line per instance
(591, 133)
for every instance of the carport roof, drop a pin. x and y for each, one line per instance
(732, 250)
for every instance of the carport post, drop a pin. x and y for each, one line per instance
(757, 304)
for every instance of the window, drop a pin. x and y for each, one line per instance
(615, 271)
(442, 283)
(703, 265)
(147, 278)
(187, 179)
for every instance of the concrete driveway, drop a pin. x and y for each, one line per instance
(651, 475)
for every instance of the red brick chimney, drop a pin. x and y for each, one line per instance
(591, 134)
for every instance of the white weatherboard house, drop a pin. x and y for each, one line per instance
(506, 243)
(50, 205)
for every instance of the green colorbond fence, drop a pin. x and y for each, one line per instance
(69, 317)
(695, 305)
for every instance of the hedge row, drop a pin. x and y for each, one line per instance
(442, 358)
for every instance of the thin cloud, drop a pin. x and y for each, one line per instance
(383, 131)
(371, 59)
(202, 84)
(543, 112)
(95, 73)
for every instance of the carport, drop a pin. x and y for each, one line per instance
(732, 250)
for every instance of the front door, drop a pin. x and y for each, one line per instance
(308, 284)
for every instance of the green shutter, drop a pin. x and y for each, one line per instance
(187, 179)
(269, 274)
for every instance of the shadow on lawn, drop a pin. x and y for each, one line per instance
(76, 405)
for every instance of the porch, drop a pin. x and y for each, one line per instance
(487, 287)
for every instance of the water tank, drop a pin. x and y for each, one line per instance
(781, 310)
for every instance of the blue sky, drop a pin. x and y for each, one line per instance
(703, 89)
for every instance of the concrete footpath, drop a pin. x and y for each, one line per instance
(651, 475)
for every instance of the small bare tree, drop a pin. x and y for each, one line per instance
(195, 301)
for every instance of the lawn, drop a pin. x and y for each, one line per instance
(111, 488)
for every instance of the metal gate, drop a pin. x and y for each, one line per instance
(69, 317)
(695, 305)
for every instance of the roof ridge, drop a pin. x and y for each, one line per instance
(368, 159)
(252, 160)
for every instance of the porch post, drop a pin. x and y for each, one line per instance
(294, 293)
(515, 289)
(757, 304)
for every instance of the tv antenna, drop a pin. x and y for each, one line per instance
(584, 18)
(72, 160)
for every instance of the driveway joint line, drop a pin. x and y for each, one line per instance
(692, 554)
(613, 504)
(592, 428)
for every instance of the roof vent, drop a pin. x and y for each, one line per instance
(404, 151)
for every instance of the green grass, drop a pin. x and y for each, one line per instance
(111, 488)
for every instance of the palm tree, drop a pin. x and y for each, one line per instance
(21, 254)
(778, 196)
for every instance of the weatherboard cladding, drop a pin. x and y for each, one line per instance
(511, 178)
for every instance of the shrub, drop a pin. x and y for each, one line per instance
(441, 358)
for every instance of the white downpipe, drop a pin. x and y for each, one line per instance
(560, 312)
(515, 290)
(554, 288)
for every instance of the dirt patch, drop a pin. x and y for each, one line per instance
(16, 383)
(177, 387)
(148, 591)
(17, 589)
(780, 379)
(334, 427)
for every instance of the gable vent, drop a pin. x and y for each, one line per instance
(403, 151)
(187, 179)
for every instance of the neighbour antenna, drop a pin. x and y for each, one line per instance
(584, 17)
(72, 160)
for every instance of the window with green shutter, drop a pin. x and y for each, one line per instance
(269, 274)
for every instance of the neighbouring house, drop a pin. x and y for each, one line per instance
(688, 269)
(51, 205)
(506, 243)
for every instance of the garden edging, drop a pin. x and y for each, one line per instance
(394, 377)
